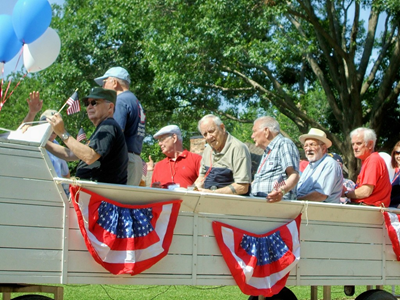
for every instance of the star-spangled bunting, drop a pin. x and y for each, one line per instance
(73, 104)
(392, 222)
(260, 264)
(124, 239)
(81, 135)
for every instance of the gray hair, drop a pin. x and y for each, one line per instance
(122, 82)
(369, 135)
(179, 137)
(217, 120)
(270, 123)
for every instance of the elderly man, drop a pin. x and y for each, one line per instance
(278, 172)
(130, 116)
(226, 163)
(180, 166)
(373, 186)
(322, 179)
(105, 157)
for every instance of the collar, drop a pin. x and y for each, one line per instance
(180, 156)
(316, 163)
(226, 146)
(274, 143)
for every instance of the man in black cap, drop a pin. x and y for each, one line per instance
(105, 157)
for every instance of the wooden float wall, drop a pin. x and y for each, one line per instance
(31, 216)
(40, 241)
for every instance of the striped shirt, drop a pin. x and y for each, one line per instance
(279, 155)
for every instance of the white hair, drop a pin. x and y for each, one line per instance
(270, 123)
(217, 120)
(369, 135)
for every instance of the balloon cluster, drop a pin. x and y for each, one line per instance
(28, 27)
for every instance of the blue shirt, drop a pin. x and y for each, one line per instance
(130, 117)
(323, 176)
(60, 165)
(279, 155)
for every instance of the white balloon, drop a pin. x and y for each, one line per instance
(41, 53)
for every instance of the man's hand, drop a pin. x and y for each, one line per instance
(150, 164)
(344, 189)
(274, 196)
(34, 102)
(156, 184)
(57, 123)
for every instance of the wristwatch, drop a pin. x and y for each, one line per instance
(64, 136)
(346, 194)
(283, 192)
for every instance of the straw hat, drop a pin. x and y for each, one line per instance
(316, 134)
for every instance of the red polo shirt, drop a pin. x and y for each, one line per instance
(184, 170)
(374, 172)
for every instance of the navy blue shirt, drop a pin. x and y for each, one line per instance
(131, 118)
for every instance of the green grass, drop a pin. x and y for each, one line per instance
(162, 292)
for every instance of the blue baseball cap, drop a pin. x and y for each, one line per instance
(116, 72)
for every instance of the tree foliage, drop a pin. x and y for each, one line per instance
(322, 64)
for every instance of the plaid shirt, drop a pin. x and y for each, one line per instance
(280, 154)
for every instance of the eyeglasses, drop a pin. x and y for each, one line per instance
(311, 145)
(397, 152)
(93, 102)
(160, 140)
(105, 80)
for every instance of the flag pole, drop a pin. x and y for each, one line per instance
(65, 103)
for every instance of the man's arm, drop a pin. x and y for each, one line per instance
(35, 105)
(232, 189)
(361, 192)
(60, 151)
(293, 178)
(79, 150)
(313, 196)
(199, 183)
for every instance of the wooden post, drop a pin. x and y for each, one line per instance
(314, 292)
(327, 293)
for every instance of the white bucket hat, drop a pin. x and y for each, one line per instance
(316, 134)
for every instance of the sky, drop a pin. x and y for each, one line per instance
(6, 8)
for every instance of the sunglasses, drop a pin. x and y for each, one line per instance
(93, 102)
(396, 152)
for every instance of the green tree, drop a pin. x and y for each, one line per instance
(318, 62)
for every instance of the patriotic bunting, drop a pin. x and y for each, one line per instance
(73, 104)
(124, 239)
(260, 264)
(392, 222)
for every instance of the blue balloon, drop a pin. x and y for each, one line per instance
(31, 18)
(9, 43)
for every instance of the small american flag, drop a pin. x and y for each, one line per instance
(144, 168)
(74, 105)
(280, 182)
(81, 135)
